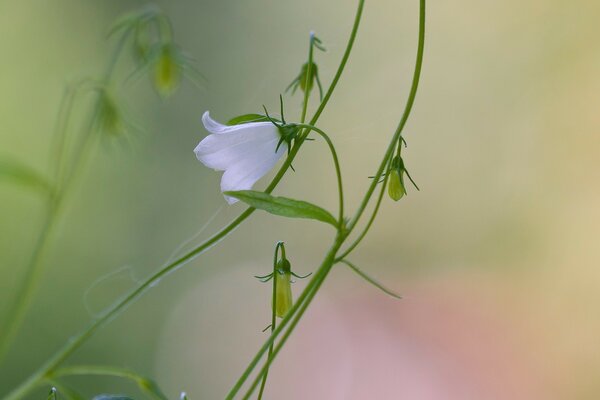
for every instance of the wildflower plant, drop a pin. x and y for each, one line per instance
(245, 148)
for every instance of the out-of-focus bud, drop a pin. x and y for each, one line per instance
(167, 70)
(283, 288)
(110, 118)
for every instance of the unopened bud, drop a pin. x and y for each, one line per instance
(283, 288)
(166, 71)
(109, 115)
(396, 188)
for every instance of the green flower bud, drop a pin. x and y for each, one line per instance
(283, 288)
(167, 72)
(396, 188)
(306, 79)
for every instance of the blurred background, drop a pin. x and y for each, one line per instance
(496, 257)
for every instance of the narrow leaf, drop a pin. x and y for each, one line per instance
(371, 280)
(283, 206)
(16, 172)
(247, 118)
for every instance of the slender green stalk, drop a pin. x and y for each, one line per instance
(82, 337)
(273, 314)
(25, 291)
(336, 164)
(407, 109)
(324, 271)
(371, 220)
(314, 282)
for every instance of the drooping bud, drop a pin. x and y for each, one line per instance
(110, 118)
(283, 288)
(167, 71)
(396, 188)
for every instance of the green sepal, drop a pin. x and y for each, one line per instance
(283, 206)
(247, 118)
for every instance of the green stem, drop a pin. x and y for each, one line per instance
(79, 339)
(336, 163)
(324, 269)
(30, 282)
(306, 293)
(407, 109)
(371, 219)
(273, 313)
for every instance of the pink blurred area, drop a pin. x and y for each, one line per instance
(449, 338)
(443, 341)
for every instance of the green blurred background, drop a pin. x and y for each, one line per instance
(497, 256)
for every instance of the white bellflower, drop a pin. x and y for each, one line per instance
(246, 152)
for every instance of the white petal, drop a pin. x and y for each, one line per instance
(244, 174)
(218, 128)
(219, 151)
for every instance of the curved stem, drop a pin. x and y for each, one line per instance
(336, 163)
(79, 339)
(371, 220)
(273, 314)
(407, 109)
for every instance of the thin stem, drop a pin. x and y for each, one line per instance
(308, 76)
(405, 115)
(29, 283)
(273, 313)
(371, 220)
(79, 339)
(314, 282)
(326, 267)
(336, 163)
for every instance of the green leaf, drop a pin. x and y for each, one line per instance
(16, 172)
(247, 118)
(372, 281)
(283, 206)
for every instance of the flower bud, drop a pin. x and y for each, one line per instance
(307, 78)
(283, 288)
(395, 186)
(166, 71)
(109, 115)
(396, 189)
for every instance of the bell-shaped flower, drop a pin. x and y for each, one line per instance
(246, 152)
